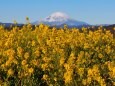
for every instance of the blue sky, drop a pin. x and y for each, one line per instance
(90, 11)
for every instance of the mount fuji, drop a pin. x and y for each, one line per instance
(59, 19)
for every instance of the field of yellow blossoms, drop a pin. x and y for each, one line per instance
(46, 56)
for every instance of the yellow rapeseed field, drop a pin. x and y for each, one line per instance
(47, 56)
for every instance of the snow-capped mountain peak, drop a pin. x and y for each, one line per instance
(57, 16)
(59, 19)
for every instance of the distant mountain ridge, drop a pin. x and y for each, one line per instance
(58, 19)
(9, 24)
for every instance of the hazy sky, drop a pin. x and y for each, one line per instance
(90, 11)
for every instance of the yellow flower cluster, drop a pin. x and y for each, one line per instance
(56, 57)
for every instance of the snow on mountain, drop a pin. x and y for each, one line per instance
(58, 16)
(59, 19)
